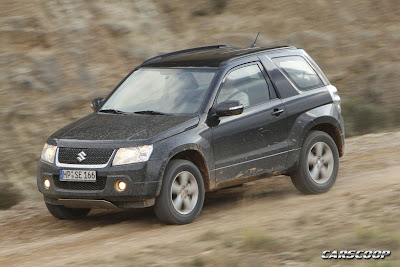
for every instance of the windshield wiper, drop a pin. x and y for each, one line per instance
(114, 111)
(151, 112)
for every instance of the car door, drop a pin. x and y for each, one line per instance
(254, 142)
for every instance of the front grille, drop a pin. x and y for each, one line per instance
(93, 156)
(100, 184)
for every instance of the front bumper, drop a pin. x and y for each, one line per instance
(142, 179)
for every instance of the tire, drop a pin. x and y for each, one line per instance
(63, 213)
(182, 193)
(319, 164)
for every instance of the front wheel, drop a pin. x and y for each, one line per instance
(319, 164)
(63, 213)
(182, 194)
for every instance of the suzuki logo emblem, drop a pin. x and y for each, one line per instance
(81, 156)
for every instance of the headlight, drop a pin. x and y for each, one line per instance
(48, 153)
(129, 155)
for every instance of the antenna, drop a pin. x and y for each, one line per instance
(254, 44)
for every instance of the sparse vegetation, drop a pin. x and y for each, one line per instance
(197, 262)
(209, 235)
(395, 240)
(220, 5)
(57, 51)
(362, 117)
(365, 234)
(8, 196)
(202, 10)
(302, 220)
(382, 264)
(257, 239)
(40, 65)
(228, 242)
(211, 7)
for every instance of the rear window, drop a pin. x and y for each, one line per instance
(299, 72)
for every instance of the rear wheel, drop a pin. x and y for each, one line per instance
(319, 164)
(63, 213)
(182, 194)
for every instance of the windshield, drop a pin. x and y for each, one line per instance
(157, 91)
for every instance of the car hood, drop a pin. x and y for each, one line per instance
(118, 127)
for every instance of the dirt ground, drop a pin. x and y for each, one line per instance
(263, 223)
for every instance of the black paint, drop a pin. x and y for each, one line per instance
(264, 140)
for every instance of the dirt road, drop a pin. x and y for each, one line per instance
(263, 223)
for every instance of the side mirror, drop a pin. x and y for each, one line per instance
(96, 103)
(229, 108)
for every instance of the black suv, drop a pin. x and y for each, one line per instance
(192, 121)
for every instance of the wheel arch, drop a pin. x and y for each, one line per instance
(197, 158)
(333, 132)
(320, 119)
(306, 123)
(193, 154)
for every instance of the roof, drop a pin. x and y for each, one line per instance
(208, 56)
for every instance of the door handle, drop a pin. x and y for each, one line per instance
(277, 112)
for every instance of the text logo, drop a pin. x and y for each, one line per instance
(355, 254)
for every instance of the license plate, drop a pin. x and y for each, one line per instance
(77, 176)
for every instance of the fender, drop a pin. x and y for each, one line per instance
(326, 114)
(193, 139)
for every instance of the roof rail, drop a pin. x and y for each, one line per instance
(281, 47)
(184, 51)
(262, 50)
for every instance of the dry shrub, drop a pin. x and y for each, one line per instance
(210, 8)
(362, 117)
(8, 196)
(258, 239)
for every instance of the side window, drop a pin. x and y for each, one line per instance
(247, 85)
(299, 71)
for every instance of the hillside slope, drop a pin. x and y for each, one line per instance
(58, 55)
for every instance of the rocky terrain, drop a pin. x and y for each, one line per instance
(263, 223)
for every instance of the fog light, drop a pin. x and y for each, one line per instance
(120, 185)
(46, 183)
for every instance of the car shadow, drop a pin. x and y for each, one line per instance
(217, 201)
